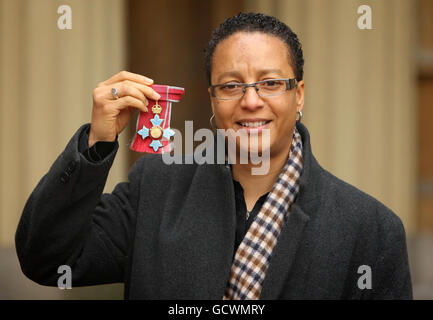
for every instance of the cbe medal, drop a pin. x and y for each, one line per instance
(153, 130)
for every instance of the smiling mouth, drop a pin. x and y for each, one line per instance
(253, 124)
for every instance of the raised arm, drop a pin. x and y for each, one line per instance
(67, 220)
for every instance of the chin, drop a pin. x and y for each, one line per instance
(257, 146)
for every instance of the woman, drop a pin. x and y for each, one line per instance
(213, 231)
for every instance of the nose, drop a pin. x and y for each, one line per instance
(251, 100)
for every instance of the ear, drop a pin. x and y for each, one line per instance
(300, 94)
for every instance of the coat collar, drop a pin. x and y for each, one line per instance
(312, 171)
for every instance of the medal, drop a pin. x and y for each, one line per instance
(153, 130)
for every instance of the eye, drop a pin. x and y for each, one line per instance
(272, 83)
(230, 86)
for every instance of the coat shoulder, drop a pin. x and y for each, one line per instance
(358, 206)
(179, 175)
(154, 165)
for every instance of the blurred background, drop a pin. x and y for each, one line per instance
(369, 99)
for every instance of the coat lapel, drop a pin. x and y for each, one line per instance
(284, 253)
(302, 210)
(220, 228)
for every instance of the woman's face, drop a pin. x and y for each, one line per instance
(249, 57)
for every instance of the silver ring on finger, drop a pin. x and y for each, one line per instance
(114, 93)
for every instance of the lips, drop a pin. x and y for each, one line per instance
(253, 124)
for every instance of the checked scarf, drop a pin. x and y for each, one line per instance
(253, 255)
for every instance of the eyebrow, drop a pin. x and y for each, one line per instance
(237, 74)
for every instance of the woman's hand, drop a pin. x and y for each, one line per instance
(110, 115)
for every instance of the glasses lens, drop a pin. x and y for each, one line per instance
(229, 91)
(271, 87)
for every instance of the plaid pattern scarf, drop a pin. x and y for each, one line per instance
(254, 253)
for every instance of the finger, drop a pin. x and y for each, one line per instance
(128, 101)
(126, 75)
(126, 90)
(147, 91)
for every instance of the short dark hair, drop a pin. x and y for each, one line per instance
(251, 22)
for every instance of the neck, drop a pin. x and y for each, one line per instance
(257, 185)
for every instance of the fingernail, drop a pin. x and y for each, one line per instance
(157, 96)
(146, 79)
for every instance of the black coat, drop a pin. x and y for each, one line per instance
(169, 232)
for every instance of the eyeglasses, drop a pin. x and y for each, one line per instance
(264, 88)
